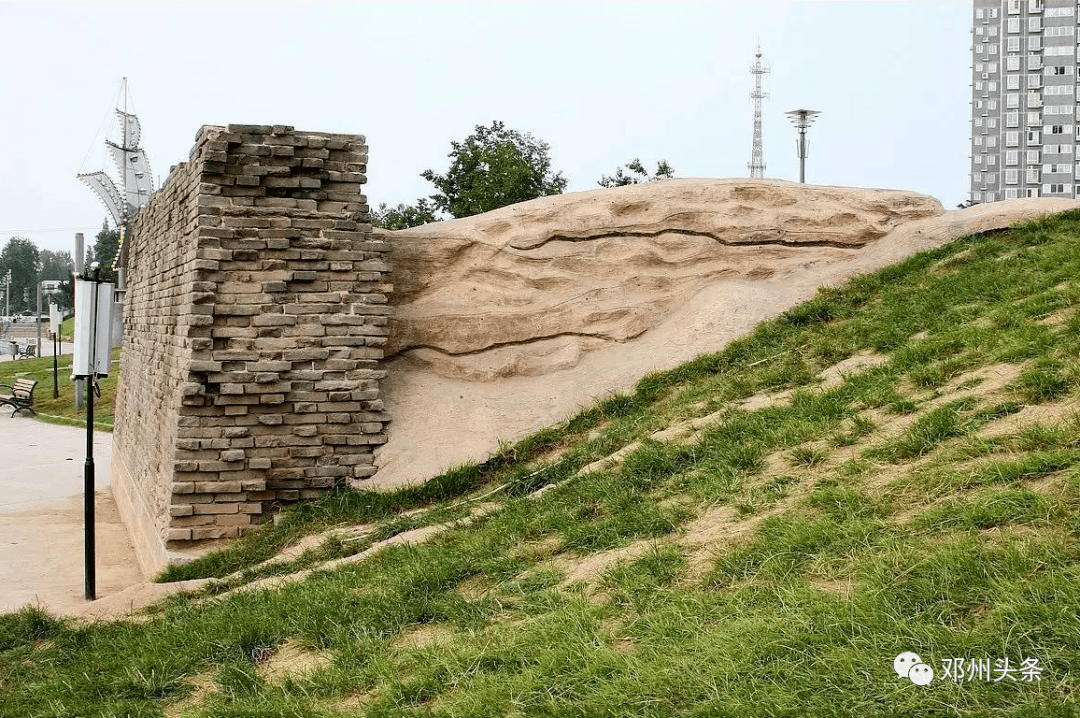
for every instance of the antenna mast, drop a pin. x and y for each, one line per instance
(757, 154)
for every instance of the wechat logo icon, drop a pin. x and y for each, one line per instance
(909, 665)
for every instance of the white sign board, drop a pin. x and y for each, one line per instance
(93, 322)
(54, 319)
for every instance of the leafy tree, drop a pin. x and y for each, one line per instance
(21, 256)
(639, 176)
(404, 216)
(66, 298)
(492, 168)
(56, 265)
(104, 251)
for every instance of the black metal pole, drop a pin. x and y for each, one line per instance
(55, 366)
(88, 467)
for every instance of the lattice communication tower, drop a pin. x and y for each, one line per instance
(757, 154)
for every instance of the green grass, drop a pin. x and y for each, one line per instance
(61, 410)
(846, 526)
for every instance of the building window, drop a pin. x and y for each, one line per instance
(991, 141)
(1058, 12)
(1013, 24)
(992, 104)
(1034, 62)
(991, 122)
(991, 86)
(1012, 101)
(993, 31)
(991, 161)
(1014, 7)
(992, 49)
(1033, 137)
(1034, 24)
(1056, 188)
(1033, 157)
(991, 67)
(1034, 82)
(1013, 44)
(1034, 118)
(1012, 63)
(1063, 31)
(1057, 90)
(1012, 119)
(978, 122)
(1033, 192)
(1057, 70)
(1011, 177)
(1035, 6)
(1034, 44)
(978, 87)
(978, 140)
(1012, 157)
(1010, 194)
(993, 13)
(1058, 51)
(980, 49)
(978, 13)
(989, 196)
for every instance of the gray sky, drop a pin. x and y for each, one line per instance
(601, 83)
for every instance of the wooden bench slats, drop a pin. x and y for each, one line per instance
(21, 395)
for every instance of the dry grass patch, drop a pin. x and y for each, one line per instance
(202, 685)
(1044, 414)
(425, 635)
(291, 660)
(835, 375)
(842, 587)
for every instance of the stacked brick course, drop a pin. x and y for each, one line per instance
(254, 320)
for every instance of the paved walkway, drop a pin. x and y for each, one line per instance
(41, 517)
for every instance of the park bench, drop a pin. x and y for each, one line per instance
(21, 396)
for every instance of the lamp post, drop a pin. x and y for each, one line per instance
(802, 119)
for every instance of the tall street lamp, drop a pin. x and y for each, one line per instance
(802, 119)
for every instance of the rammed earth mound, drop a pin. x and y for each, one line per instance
(788, 523)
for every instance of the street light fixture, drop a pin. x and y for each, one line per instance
(802, 119)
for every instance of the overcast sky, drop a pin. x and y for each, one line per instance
(601, 83)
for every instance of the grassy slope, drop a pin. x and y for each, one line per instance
(62, 410)
(865, 520)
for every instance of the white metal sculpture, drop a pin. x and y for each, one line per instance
(136, 181)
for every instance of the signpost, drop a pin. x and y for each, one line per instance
(55, 319)
(92, 357)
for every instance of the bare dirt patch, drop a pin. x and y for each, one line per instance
(424, 635)
(1059, 317)
(203, 684)
(1044, 414)
(475, 587)
(843, 587)
(291, 660)
(835, 375)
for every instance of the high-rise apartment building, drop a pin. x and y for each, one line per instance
(1025, 120)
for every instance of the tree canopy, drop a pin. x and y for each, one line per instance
(21, 256)
(494, 167)
(637, 174)
(404, 216)
(104, 251)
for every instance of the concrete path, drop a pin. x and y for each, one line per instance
(41, 517)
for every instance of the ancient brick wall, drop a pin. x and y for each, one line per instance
(254, 318)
